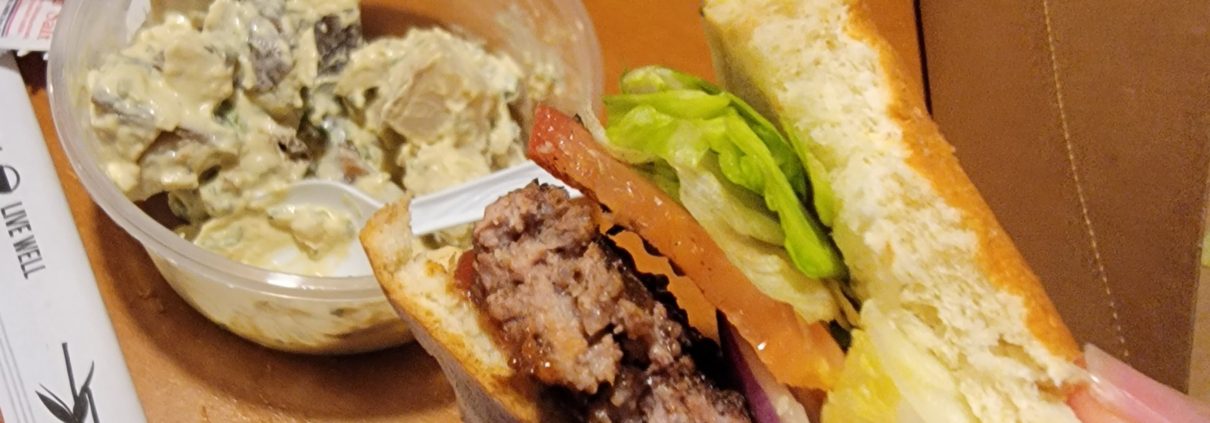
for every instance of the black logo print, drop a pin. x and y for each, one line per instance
(82, 402)
(9, 179)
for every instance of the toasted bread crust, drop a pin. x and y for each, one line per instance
(918, 238)
(930, 157)
(933, 157)
(488, 389)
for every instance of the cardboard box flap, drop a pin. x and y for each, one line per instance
(1085, 125)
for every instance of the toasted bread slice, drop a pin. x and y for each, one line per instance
(919, 240)
(420, 285)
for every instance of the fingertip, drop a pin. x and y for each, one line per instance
(1131, 393)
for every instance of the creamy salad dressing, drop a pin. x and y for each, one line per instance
(447, 97)
(257, 236)
(165, 82)
(220, 111)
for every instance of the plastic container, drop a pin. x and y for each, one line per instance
(278, 310)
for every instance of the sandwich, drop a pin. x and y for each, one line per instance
(857, 274)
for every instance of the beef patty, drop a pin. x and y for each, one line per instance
(578, 317)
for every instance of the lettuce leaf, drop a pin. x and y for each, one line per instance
(821, 194)
(683, 96)
(666, 118)
(749, 236)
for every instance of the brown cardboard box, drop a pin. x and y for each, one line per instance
(1085, 125)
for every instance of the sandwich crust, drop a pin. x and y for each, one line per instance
(916, 234)
(446, 323)
(933, 157)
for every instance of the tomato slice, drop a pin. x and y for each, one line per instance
(798, 353)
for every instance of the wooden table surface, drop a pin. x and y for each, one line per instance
(186, 369)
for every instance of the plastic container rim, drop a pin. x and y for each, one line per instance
(160, 240)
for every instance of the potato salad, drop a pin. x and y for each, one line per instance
(217, 112)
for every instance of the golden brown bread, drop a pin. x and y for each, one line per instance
(921, 242)
(933, 157)
(420, 284)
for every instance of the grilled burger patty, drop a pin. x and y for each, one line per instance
(577, 316)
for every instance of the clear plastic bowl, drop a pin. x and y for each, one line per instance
(279, 310)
